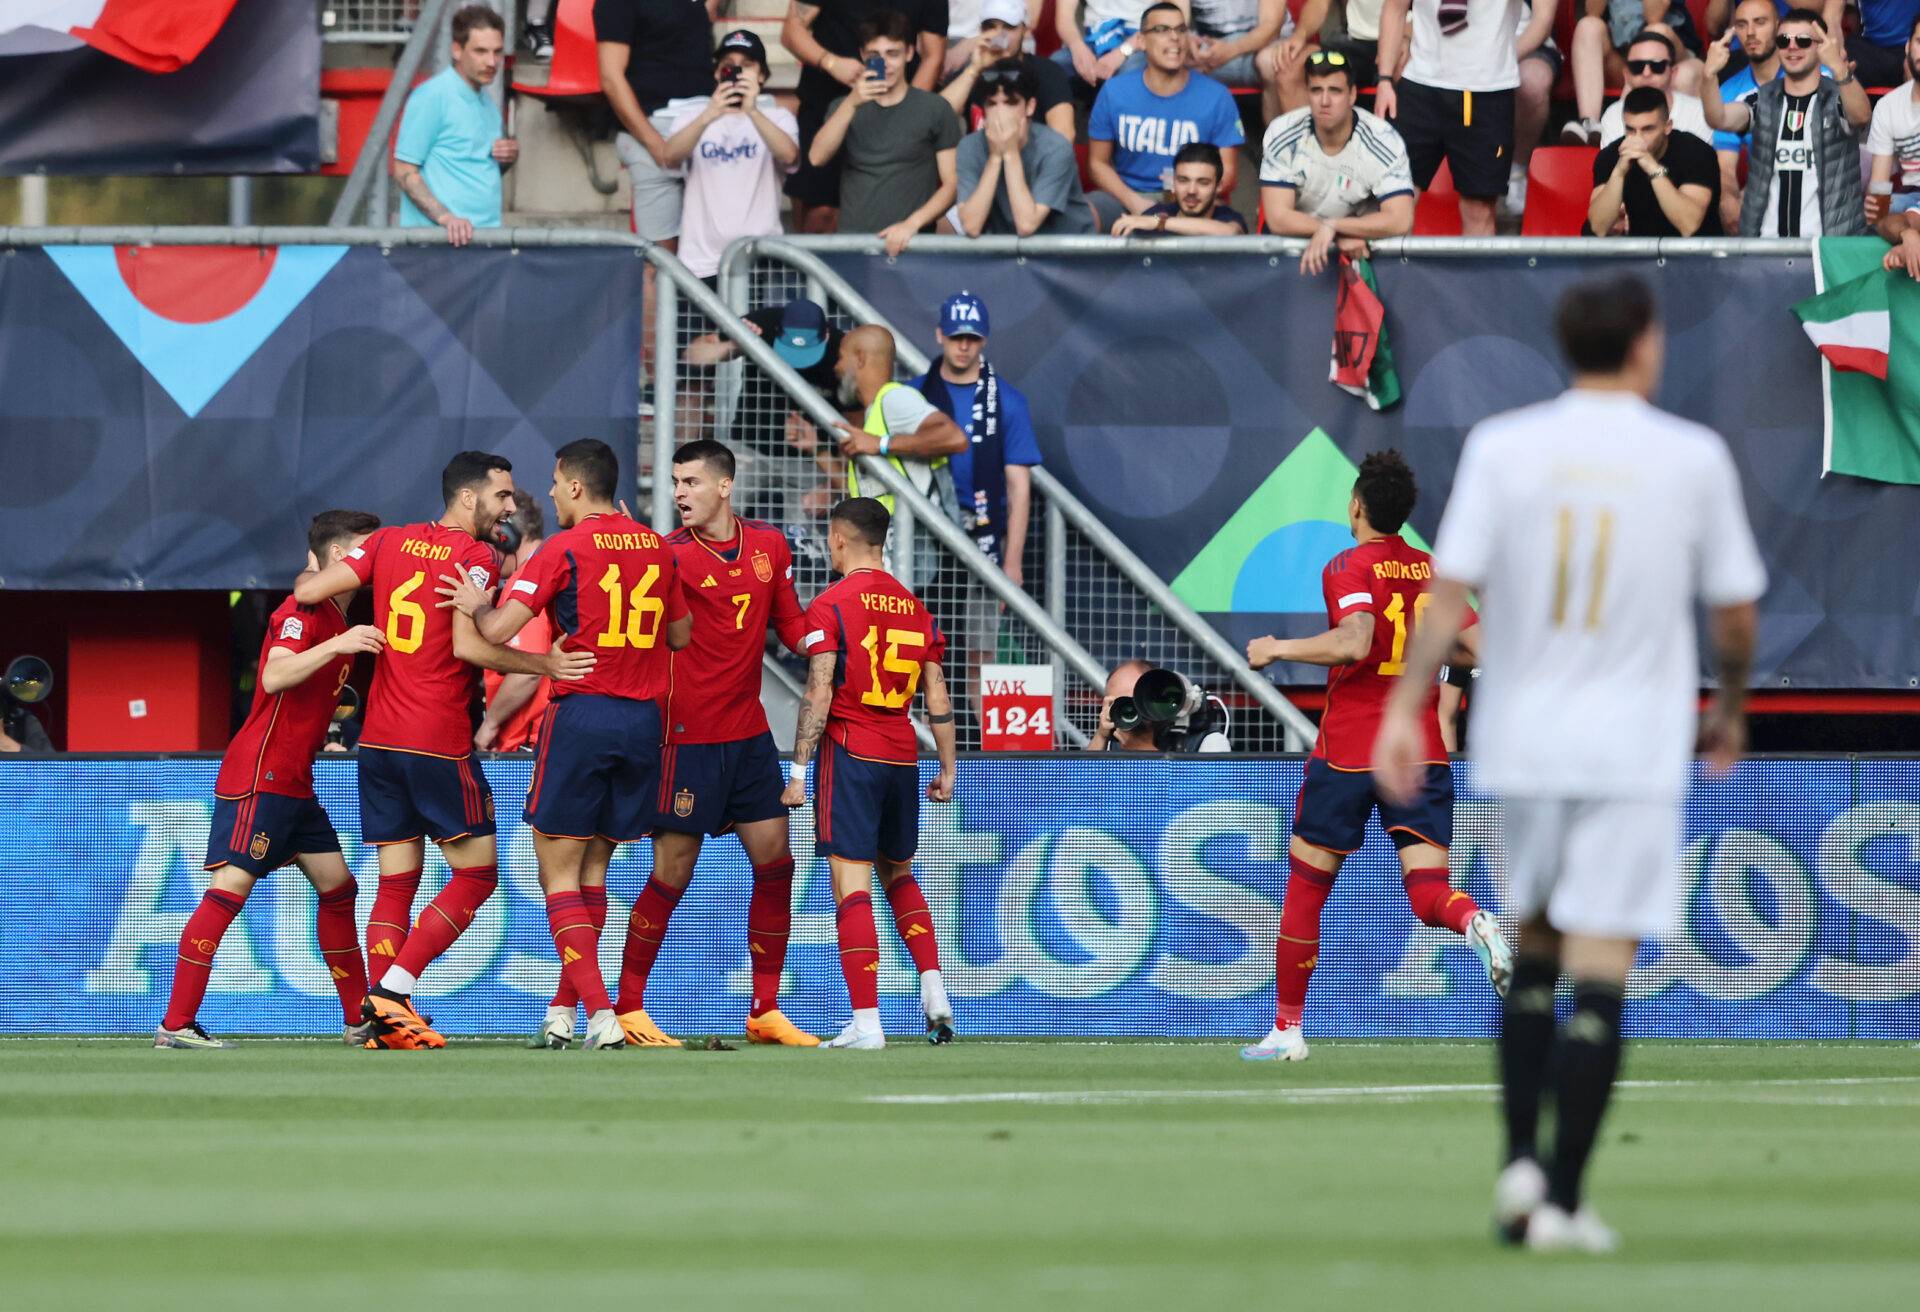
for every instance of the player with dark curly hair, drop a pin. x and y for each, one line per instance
(1375, 594)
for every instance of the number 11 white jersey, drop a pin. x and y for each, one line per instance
(1590, 525)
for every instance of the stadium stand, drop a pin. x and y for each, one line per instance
(1559, 182)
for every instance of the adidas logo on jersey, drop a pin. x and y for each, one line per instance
(711, 582)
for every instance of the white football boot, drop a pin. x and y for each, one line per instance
(1521, 1188)
(1490, 945)
(862, 1034)
(1288, 1044)
(938, 1008)
(1551, 1230)
(603, 1031)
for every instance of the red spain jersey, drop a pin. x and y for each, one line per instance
(884, 637)
(273, 752)
(422, 693)
(612, 586)
(523, 726)
(1388, 579)
(735, 589)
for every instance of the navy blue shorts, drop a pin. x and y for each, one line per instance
(598, 771)
(263, 831)
(409, 795)
(865, 810)
(1333, 807)
(708, 788)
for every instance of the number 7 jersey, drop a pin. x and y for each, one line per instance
(884, 638)
(613, 586)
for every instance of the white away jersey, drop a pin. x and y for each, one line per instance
(1369, 168)
(1589, 525)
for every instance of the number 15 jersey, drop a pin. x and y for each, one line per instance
(612, 585)
(884, 637)
(422, 693)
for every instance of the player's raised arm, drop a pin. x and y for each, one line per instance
(287, 668)
(814, 705)
(563, 664)
(311, 589)
(1397, 754)
(1344, 644)
(940, 718)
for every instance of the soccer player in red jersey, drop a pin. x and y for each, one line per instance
(1375, 593)
(612, 586)
(265, 814)
(516, 703)
(418, 778)
(869, 644)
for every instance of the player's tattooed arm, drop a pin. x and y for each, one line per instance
(814, 704)
(1344, 644)
(940, 718)
(1723, 733)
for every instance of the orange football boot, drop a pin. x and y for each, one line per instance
(772, 1027)
(641, 1032)
(398, 1025)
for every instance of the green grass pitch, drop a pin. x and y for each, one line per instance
(293, 1175)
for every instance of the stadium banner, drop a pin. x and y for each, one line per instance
(1072, 896)
(1185, 401)
(173, 415)
(159, 87)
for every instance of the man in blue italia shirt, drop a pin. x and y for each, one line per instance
(1142, 118)
(450, 151)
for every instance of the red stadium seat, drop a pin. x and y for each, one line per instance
(1559, 182)
(575, 70)
(1437, 212)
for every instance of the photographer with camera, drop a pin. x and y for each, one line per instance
(28, 682)
(1154, 710)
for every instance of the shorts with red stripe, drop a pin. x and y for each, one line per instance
(1333, 807)
(409, 795)
(865, 810)
(261, 832)
(708, 788)
(597, 773)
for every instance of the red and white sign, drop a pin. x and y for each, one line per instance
(1016, 708)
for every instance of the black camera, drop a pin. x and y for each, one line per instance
(28, 682)
(1181, 715)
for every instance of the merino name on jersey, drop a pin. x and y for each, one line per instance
(612, 586)
(884, 638)
(1387, 579)
(273, 752)
(421, 691)
(736, 589)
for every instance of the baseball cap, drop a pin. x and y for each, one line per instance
(963, 315)
(747, 43)
(803, 334)
(1011, 12)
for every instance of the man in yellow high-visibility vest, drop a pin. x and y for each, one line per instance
(902, 426)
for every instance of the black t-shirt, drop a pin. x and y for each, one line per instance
(1050, 88)
(760, 417)
(1690, 162)
(837, 28)
(669, 46)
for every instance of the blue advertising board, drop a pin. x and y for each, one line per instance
(1074, 896)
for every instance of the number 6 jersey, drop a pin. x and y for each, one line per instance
(883, 637)
(613, 586)
(421, 692)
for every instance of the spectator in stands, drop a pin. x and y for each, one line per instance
(1003, 36)
(1195, 210)
(1332, 171)
(1803, 172)
(1142, 118)
(1454, 100)
(1879, 49)
(1099, 39)
(450, 151)
(734, 144)
(652, 52)
(966, 19)
(1237, 44)
(825, 38)
(1016, 176)
(1650, 62)
(1533, 98)
(901, 426)
(515, 702)
(1352, 27)
(1755, 25)
(1893, 140)
(1108, 737)
(536, 31)
(1666, 182)
(1600, 44)
(896, 143)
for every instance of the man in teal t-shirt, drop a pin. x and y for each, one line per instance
(449, 153)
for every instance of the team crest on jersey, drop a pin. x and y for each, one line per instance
(683, 803)
(257, 849)
(763, 566)
(291, 627)
(479, 574)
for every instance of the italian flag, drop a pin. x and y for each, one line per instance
(1865, 322)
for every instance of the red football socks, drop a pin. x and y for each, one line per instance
(859, 950)
(198, 942)
(1434, 900)
(594, 896)
(915, 922)
(387, 922)
(1298, 950)
(446, 917)
(577, 939)
(769, 922)
(646, 930)
(339, 941)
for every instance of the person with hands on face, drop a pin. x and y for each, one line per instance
(1003, 36)
(450, 151)
(895, 142)
(1195, 210)
(1017, 176)
(1666, 182)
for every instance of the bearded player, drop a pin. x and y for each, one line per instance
(869, 643)
(720, 771)
(612, 586)
(1375, 595)
(264, 812)
(418, 778)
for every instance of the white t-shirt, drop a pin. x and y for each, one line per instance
(1363, 19)
(1589, 525)
(1895, 132)
(1369, 168)
(963, 19)
(1095, 12)
(1796, 177)
(1684, 109)
(733, 181)
(903, 409)
(1477, 57)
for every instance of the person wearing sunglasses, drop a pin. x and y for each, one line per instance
(1601, 41)
(1666, 183)
(1754, 25)
(1651, 62)
(1003, 36)
(1803, 169)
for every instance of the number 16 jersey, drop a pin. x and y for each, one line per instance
(884, 637)
(422, 693)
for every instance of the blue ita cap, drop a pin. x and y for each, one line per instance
(803, 334)
(964, 315)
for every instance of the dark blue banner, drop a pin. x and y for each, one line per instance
(1072, 896)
